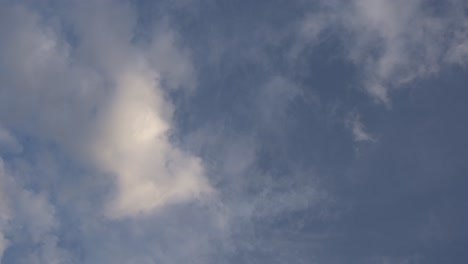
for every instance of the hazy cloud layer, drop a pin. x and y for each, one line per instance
(226, 132)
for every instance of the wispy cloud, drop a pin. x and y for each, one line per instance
(358, 130)
(393, 43)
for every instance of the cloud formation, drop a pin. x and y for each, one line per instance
(393, 43)
(223, 132)
(132, 142)
(78, 81)
(122, 114)
(353, 122)
(28, 221)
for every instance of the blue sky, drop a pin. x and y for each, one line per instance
(216, 131)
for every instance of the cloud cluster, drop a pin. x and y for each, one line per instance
(94, 97)
(132, 143)
(80, 82)
(99, 98)
(28, 223)
(393, 43)
(95, 175)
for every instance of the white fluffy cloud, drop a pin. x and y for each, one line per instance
(79, 81)
(77, 85)
(132, 143)
(98, 97)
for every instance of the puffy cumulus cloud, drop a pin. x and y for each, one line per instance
(81, 83)
(132, 143)
(393, 42)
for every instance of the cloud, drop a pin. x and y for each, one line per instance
(358, 130)
(90, 99)
(257, 200)
(170, 59)
(27, 220)
(393, 43)
(4, 212)
(132, 142)
(99, 173)
(385, 36)
(101, 100)
(458, 51)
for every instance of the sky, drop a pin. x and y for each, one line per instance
(220, 131)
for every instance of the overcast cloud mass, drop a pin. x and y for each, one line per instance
(220, 131)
